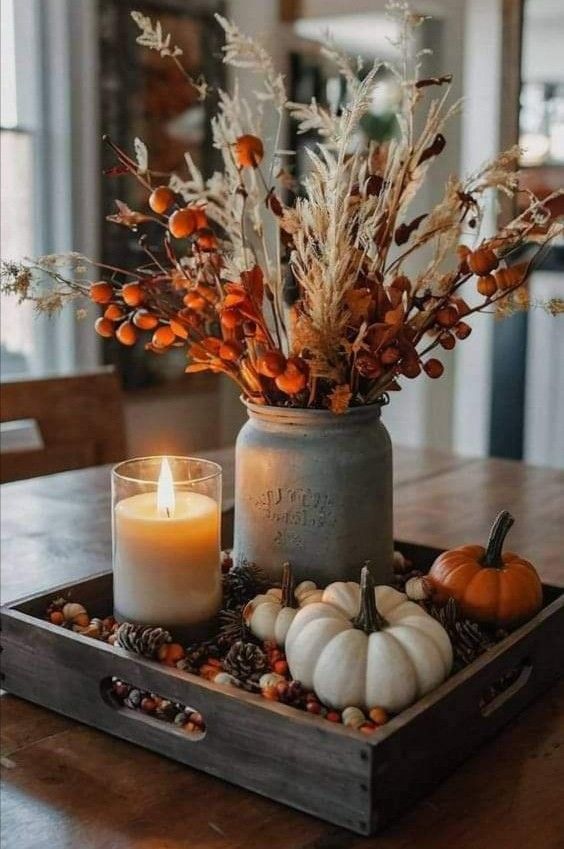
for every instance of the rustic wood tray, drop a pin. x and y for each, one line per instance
(355, 781)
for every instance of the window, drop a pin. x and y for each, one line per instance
(16, 202)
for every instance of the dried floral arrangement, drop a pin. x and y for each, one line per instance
(323, 311)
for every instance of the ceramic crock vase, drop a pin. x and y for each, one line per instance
(315, 489)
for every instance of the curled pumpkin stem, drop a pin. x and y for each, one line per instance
(368, 619)
(498, 533)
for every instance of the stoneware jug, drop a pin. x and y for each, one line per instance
(315, 489)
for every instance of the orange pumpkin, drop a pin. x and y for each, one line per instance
(488, 586)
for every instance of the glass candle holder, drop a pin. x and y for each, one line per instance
(166, 531)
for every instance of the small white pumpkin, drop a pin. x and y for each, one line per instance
(270, 615)
(362, 646)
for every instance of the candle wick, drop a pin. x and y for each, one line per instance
(167, 513)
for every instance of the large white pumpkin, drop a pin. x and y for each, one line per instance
(367, 647)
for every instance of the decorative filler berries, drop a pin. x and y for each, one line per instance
(152, 704)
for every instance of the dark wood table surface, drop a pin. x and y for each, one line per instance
(67, 785)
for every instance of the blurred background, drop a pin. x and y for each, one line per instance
(71, 71)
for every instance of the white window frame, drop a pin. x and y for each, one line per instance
(56, 57)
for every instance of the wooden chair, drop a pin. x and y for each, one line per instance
(80, 420)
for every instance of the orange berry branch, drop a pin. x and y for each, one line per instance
(321, 311)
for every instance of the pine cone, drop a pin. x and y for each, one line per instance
(469, 640)
(241, 584)
(232, 627)
(246, 662)
(141, 639)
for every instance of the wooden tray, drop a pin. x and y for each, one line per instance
(325, 769)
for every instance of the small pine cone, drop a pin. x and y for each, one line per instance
(241, 584)
(141, 639)
(246, 662)
(232, 627)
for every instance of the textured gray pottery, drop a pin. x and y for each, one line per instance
(314, 488)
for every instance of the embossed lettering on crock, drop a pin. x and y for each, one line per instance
(294, 506)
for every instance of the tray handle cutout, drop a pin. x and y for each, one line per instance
(507, 686)
(153, 709)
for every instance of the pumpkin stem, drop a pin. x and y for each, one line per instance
(368, 619)
(499, 531)
(288, 585)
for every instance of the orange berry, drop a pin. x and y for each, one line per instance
(127, 334)
(201, 217)
(249, 151)
(482, 261)
(230, 351)
(145, 320)
(57, 617)
(333, 716)
(367, 728)
(280, 667)
(447, 341)
(507, 278)
(182, 223)
(271, 364)
(101, 292)
(434, 368)
(171, 653)
(132, 294)
(163, 337)
(104, 327)
(194, 301)
(114, 313)
(161, 199)
(410, 368)
(230, 318)
(487, 285)
(270, 693)
(462, 330)
(378, 715)
(294, 377)
(446, 316)
(207, 240)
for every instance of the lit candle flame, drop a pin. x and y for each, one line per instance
(165, 490)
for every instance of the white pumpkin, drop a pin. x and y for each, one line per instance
(270, 615)
(362, 647)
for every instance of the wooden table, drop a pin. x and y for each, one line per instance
(66, 785)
